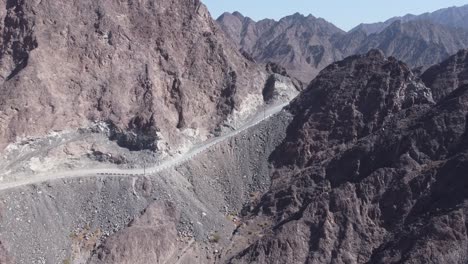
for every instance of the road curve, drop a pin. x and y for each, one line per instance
(115, 172)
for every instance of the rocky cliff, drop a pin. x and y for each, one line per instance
(158, 73)
(373, 169)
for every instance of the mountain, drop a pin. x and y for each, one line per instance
(418, 43)
(302, 44)
(137, 132)
(243, 30)
(454, 17)
(159, 75)
(306, 45)
(372, 169)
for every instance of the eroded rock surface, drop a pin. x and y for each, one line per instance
(158, 72)
(372, 171)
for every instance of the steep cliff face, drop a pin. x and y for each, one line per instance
(372, 171)
(153, 70)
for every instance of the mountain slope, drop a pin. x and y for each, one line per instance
(418, 43)
(155, 72)
(306, 45)
(303, 45)
(375, 171)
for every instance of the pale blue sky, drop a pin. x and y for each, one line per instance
(345, 14)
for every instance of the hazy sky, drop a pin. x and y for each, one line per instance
(345, 14)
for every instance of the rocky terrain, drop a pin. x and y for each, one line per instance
(156, 84)
(372, 170)
(305, 45)
(366, 165)
(332, 179)
(122, 219)
(101, 80)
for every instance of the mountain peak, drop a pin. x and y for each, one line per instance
(238, 14)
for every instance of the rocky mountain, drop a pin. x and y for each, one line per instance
(418, 43)
(454, 17)
(157, 73)
(373, 169)
(243, 30)
(306, 45)
(368, 164)
(302, 44)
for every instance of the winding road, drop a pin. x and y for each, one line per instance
(110, 172)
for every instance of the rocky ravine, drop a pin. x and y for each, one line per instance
(372, 170)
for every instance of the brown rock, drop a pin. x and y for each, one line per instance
(150, 238)
(150, 69)
(372, 171)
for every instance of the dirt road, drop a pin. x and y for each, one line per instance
(115, 172)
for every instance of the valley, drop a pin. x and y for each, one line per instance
(138, 132)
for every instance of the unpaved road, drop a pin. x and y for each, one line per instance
(110, 172)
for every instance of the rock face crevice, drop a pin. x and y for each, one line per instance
(18, 38)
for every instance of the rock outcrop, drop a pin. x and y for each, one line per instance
(373, 170)
(446, 77)
(150, 238)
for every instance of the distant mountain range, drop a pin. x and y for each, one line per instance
(305, 45)
(302, 44)
(452, 17)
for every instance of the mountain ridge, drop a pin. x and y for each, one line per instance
(370, 161)
(454, 16)
(305, 45)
